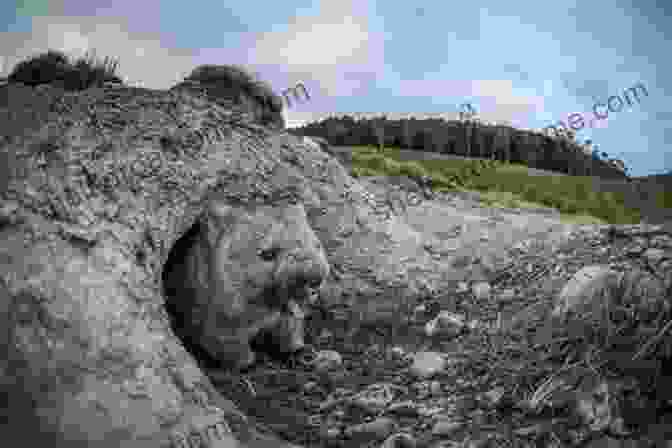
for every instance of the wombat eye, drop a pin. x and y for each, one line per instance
(269, 254)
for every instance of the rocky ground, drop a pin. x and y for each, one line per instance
(464, 368)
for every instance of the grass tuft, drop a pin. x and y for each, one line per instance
(54, 67)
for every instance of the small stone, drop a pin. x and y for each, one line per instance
(494, 396)
(445, 324)
(397, 352)
(586, 285)
(462, 287)
(378, 429)
(404, 408)
(446, 427)
(427, 364)
(507, 295)
(654, 256)
(325, 336)
(375, 397)
(481, 290)
(399, 440)
(327, 360)
(331, 432)
(419, 311)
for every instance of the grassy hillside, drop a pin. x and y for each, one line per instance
(507, 185)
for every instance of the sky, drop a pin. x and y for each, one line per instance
(524, 63)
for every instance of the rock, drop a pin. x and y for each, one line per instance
(399, 440)
(654, 255)
(427, 364)
(495, 396)
(462, 287)
(310, 386)
(325, 336)
(587, 284)
(445, 324)
(397, 353)
(326, 360)
(406, 408)
(375, 397)
(507, 295)
(419, 312)
(446, 427)
(378, 429)
(481, 290)
(331, 433)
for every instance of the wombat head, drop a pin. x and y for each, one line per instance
(248, 273)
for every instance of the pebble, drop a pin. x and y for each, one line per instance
(327, 360)
(494, 396)
(378, 429)
(427, 364)
(446, 427)
(481, 290)
(445, 324)
(375, 398)
(397, 353)
(462, 287)
(325, 336)
(507, 295)
(399, 440)
(581, 288)
(418, 312)
(332, 433)
(654, 255)
(404, 408)
(310, 386)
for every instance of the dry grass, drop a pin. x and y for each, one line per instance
(56, 68)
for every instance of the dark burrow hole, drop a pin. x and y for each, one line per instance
(176, 306)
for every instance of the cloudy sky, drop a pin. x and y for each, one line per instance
(526, 63)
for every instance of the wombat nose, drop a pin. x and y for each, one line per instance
(304, 270)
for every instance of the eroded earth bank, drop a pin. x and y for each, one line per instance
(429, 317)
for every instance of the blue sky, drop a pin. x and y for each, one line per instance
(526, 63)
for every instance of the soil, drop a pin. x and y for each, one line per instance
(275, 392)
(290, 398)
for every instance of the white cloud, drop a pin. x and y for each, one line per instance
(323, 47)
(77, 35)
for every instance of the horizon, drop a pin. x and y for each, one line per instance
(525, 65)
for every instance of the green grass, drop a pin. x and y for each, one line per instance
(506, 185)
(664, 199)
